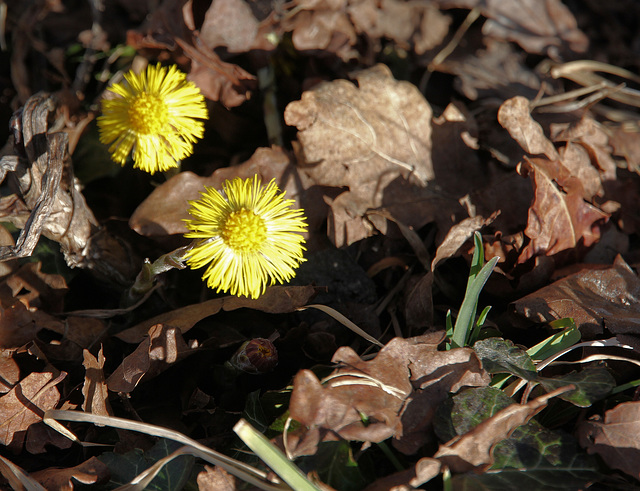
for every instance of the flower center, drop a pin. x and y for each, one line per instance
(244, 231)
(148, 114)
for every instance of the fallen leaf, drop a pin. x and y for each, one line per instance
(94, 390)
(559, 218)
(596, 299)
(25, 405)
(91, 471)
(539, 27)
(615, 439)
(396, 393)
(216, 479)
(515, 116)
(473, 450)
(9, 371)
(363, 138)
(458, 235)
(276, 300)
(164, 347)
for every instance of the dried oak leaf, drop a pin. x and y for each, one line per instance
(417, 26)
(615, 439)
(542, 27)
(597, 299)
(363, 138)
(91, 471)
(94, 390)
(216, 479)
(473, 450)
(276, 300)
(42, 197)
(25, 404)
(172, 25)
(9, 371)
(397, 393)
(322, 25)
(158, 352)
(499, 70)
(559, 217)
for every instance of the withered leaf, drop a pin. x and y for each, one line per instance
(94, 390)
(472, 451)
(276, 300)
(161, 349)
(91, 471)
(539, 27)
(514, 115)
(216, 479)
(45, 200)
(25, 404)
(397, 392)
(595, 298)
(559, 218)
(615, 439)
(9, 371)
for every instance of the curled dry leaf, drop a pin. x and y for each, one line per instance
(91, 471)
(472, 451)
(539, 27)
(94, 390)
(276, 300)
(164, 347)
(559, 218)
(25, 405)
(615, 438)
(596, 299)
(216, 479)
(362, 138)
(43, 198)
(396, 393)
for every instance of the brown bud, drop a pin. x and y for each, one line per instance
(255, 356)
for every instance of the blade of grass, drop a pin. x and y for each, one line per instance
(273, 457)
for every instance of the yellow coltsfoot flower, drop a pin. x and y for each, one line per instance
(247, 235)
(156, 113)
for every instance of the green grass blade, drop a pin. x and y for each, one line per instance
(273, 457)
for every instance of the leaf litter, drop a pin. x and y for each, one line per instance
(407, 131)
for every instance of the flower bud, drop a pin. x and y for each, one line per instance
(255, 356)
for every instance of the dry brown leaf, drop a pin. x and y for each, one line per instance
(94, 390)
(9, 371)
(363, 138)
(216, 479)
(499, 71)
(41, 437)
(232, 24)
(423, 471)
(322, 25)
(615, 439)
(542, 27)
(515, 116)
(25, 404)
(91, 471)
(276, 300)
(164, 347)
(473, 450)
(398, 392)
(458, 235)
(597, 299)
(559, 218)
(170, 25)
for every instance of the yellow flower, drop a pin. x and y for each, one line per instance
(247, 235)
(153, 114)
